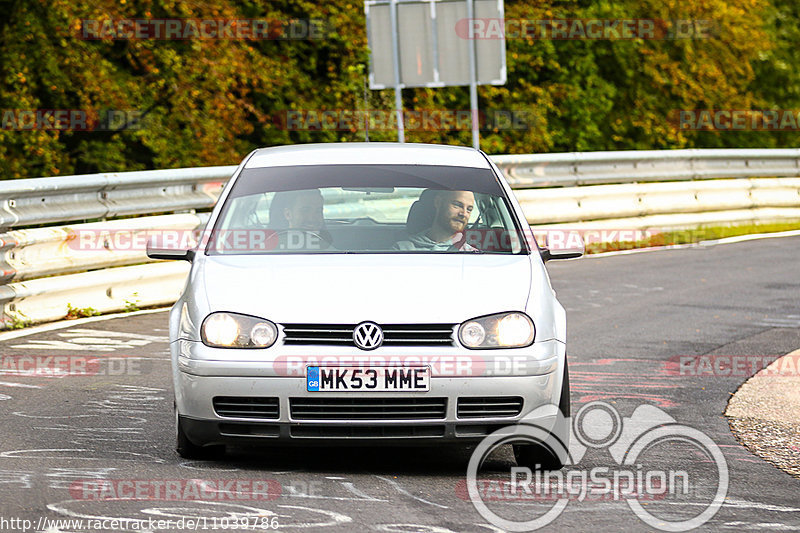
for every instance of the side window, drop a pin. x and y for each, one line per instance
(243, 213)
(261, 208)
(486, 207)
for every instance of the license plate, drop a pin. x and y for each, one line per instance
(354, 378)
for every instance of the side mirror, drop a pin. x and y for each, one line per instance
(158, 249)
(562, 246)
(565, 253)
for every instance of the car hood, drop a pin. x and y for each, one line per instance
(350, 288)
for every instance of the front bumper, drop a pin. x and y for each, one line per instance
(199, 378)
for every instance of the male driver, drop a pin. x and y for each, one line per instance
(297, 210)
(453, 209)
(298, 217)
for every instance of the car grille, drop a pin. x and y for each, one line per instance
(393, 334)
(366, 432)
(489, 407)
(246, 407)
(367, 408)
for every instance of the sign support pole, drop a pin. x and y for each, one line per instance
(398, 91)
(473, 75)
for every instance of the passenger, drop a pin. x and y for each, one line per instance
(447, 232)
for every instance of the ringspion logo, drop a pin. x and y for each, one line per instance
(641, 474)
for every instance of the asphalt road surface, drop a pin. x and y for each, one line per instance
(640, 326)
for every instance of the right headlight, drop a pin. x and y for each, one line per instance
(232, 330)
(503, 330)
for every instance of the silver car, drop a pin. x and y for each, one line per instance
(366, 293)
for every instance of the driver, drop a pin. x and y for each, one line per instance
(299, 215)
(303, 210)
(447, 233)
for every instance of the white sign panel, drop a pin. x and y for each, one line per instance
(433, 42)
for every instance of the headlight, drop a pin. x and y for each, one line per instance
(504, 330)
(232, 330)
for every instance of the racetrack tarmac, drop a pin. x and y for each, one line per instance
(670, 333)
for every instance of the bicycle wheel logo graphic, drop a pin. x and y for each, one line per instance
(598, 425)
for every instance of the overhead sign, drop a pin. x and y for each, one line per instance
(433, 40)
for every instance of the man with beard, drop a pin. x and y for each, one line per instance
(447, 233)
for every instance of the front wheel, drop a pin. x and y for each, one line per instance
(551, 454)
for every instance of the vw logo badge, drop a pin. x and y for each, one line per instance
(368, 335)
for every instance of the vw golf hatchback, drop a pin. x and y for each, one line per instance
(365, 293)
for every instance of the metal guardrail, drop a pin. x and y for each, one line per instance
(66, 198)
(595, 168)
(43, 269)
(58, 250)
(638, 203)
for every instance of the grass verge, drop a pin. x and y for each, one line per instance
(690, 236)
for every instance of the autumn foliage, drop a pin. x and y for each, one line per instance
(210, 101)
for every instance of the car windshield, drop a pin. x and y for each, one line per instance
(366, 209)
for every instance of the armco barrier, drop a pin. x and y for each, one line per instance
(43, 269)
(595, 168)
(67, 198)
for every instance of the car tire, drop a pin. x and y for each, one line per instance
(541, 456)
(189, 450)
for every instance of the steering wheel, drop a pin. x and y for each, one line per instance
(320, 239)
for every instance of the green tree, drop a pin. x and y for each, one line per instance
(209, 102)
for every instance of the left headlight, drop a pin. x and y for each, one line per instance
(503, 330)
(232, 330)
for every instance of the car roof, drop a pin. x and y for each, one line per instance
(372, 153)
